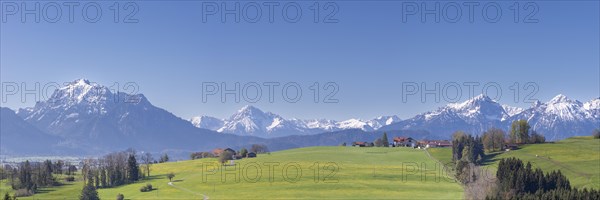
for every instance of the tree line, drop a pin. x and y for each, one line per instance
(515, 180)
(520, 133)
(113, 169)
(468, 152)
(28, 177)
(256, 148)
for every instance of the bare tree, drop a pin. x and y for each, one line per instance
(493, 139)
(147, 159)
(259, 148)
(481, 184)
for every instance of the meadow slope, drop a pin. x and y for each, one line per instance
(577, 157)
(326, 173)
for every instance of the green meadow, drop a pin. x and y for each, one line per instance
(305, 173)
(578, 158)
(338, 173)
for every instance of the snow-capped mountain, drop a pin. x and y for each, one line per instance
(89, 118)
(207, 122)
(557, 119)
(511, 111)
(94, 118)
(593, 107)
(383, 121)
(562, 117)
(250, 120)
(479, 108)
(474, 115)
(71, 109)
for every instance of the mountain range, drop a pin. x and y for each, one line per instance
(91, 119)
(557, 119)
(252, 121)
(85, 118)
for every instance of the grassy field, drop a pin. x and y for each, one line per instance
(326, 173)
(578, 158)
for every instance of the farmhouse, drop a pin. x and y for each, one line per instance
(404, 142)
(218, 151)
(359, 144)
(437, 143)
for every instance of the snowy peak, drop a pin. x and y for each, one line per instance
(511, 111)
(473, 103)
(593, 107)
(563, 108)
(250, 120)
(251, 113)
(80, 90)
(560, 98)
(81, 81)
(249, 110)
(593, 104)
(319, 124)
(481, 97)
(477, 108)
(562, 117)
(81, 103)
(207, 122)
(383, 121)
(354, 124)
(558, 118)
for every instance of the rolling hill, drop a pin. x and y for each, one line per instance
(578, 158)
(326, 173)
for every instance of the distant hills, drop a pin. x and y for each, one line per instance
(84, 118)
(20, 137)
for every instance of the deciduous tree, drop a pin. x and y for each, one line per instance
(519, 131)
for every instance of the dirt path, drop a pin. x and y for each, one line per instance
(205, 197)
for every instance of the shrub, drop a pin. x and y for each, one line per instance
(146, 188)
(535, 138)
(120, 196)
(596, 133)
(70, 179)
(171, 176)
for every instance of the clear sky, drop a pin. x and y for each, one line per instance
(373, 49)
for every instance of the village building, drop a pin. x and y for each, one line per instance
(218, 151)
(404, 142)
(359, 144)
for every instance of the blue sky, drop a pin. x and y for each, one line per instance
(368, 54)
